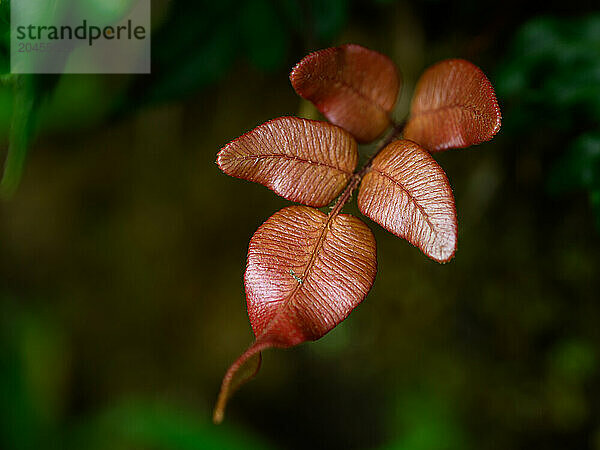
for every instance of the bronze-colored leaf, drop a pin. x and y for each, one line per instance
(408, 193)
(454, 106)
(354, 87)
(305, 161)
(306, 272)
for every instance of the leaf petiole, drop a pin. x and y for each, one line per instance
(394, 133)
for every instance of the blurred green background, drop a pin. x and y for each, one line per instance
(122, 246)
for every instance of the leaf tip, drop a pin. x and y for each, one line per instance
(221, 156)
(446, 254)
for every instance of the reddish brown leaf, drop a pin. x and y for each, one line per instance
(454, 106)
(354, 87)
(305, 161)
(408, 193)
(306, 272)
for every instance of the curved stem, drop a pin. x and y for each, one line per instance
(354, 181)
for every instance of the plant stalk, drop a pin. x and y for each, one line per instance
(356, 178)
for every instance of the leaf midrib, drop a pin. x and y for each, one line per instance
(364, 97)
(305, 274)
(431, 111)
(293, 158)
(411, 198)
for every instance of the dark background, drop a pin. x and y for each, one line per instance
(122, 248)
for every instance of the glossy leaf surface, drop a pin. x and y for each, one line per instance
(305, 161)
(454, 106)
(354, 87)
(306, 272)
(408, 193)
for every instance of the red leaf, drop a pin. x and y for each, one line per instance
(454, 106)
(306, 272)
(305, 161)
(408, 193)
(354, 87)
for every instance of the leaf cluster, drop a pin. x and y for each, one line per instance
(306, 269)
